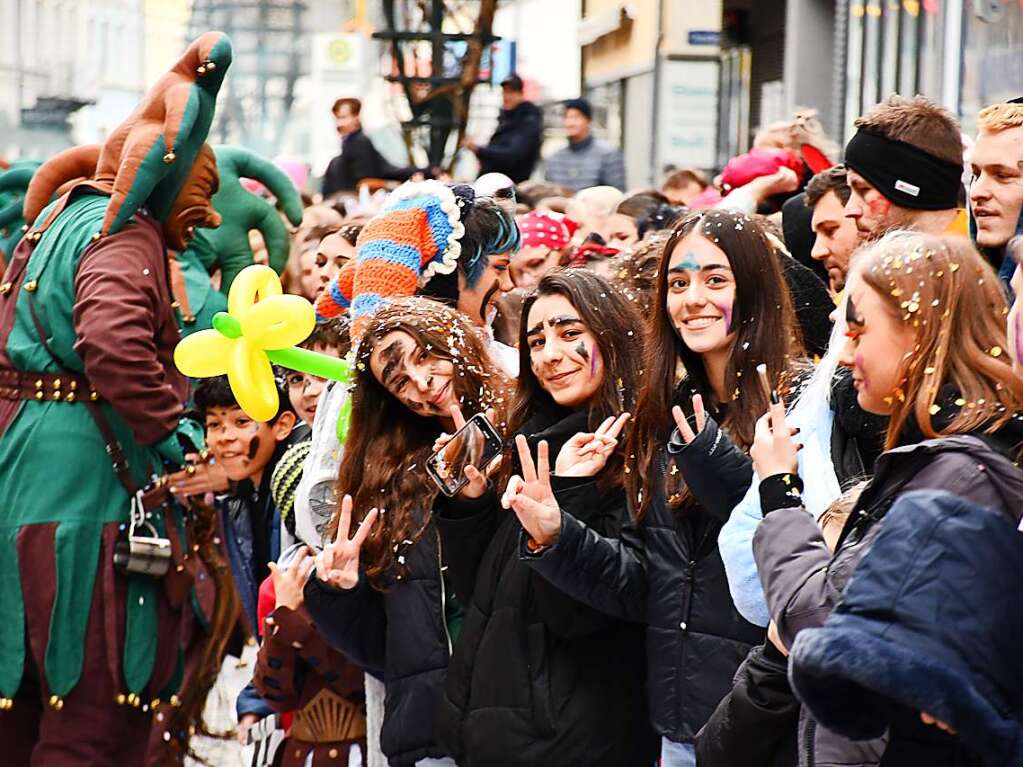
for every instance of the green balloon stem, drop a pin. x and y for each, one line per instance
(344, 417)
(314, 363)
(227, 325)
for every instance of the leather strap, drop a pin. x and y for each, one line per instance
(117, 458)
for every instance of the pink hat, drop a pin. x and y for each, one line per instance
(545, 230)
(756, 163)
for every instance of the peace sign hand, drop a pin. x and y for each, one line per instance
(586, 454)
(338, 564)
(531, 497)
(688, 435)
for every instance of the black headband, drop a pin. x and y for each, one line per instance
(907, 176)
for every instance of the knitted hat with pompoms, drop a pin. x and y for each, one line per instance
(419, 237)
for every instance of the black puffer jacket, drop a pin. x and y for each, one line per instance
(537, 677)
(756, 723)
(803, 581)
(399, 635)
(668, 572)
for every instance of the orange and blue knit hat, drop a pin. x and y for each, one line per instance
(425, 231)
(415, 236)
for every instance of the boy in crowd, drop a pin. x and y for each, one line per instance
(996, 192)
(248, 452)
(304, 389)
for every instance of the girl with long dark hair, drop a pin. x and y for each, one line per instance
(381, 597)
(721, 309)
(538, 677)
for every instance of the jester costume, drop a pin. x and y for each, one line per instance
(90, 408)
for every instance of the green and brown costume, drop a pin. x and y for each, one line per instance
(91, 277)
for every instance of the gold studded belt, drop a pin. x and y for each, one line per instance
(53, 387)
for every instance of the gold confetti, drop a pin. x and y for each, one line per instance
(934, 409)
(929, 370)
(960, 402)
(953, 267)
(996, 351)
(897, 292)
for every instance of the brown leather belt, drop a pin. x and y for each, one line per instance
(51, 387)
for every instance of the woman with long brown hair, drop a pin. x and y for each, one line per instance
(382, 597)
(538, 677)
(926, 345)
(721, 309)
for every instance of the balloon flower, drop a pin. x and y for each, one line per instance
(261, 326)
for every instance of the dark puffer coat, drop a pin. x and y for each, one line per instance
(803, 581)
(400, 636)
(932, 621)
(537, 677)
(668, 572)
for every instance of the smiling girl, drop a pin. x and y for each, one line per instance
(382, 598)
(538, 677)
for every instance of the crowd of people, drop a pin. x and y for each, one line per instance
(754, 497)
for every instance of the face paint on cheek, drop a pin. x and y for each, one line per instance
(879, 207)
(593, 362)
(726, 311)
(1018, 339)
(581, 351)
(253, 448)
(486, 300)
(858, 362)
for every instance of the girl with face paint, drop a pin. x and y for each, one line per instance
(580, 352)
(383, 593)
(926, 344)
(721, 307)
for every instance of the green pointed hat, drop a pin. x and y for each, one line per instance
(148, 157)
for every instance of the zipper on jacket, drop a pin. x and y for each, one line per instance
(809, 736)
(443, 593)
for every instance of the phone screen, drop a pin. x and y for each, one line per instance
(475, 444)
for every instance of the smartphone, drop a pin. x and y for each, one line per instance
(475, 444)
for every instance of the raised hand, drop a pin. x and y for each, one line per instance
(586, 453)
(289, 581)
(531, 497)
(688, 435)
(477, 484)
(338, 564)
(773, 451)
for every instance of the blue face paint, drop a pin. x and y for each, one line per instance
(688, 264)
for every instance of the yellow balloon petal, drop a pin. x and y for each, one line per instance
(253, 282)
(203, 354)
(278, 322)
(252, 381)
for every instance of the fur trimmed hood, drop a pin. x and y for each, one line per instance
(932, 620)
